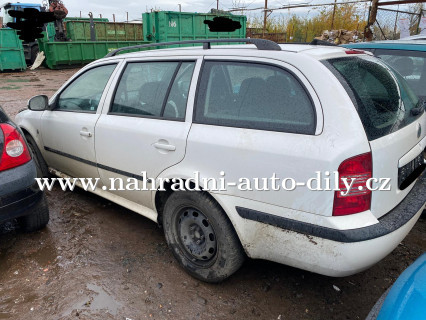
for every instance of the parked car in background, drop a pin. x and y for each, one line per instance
(416, 37)
(20, 196)
(246, 112)
(406, 57)
(406, 299)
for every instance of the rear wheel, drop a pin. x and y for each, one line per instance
(37, 218)
(201, 236)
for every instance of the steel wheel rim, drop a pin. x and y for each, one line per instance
(196, 236)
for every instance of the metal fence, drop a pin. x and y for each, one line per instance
(279, 37)
(387, 25)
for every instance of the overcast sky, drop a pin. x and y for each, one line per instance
(135, 8)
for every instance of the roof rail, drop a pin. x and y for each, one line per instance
(261, 44)
(318, 42)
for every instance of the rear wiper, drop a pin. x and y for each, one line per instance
(417, 110)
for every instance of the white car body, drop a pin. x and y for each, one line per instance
(296, 228)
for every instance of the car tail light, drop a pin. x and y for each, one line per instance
(358, 199)
(15, 151)
(354, 51)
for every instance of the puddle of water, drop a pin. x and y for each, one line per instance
(99, 300)
(45, 255)
(102, 301)
(9, 302)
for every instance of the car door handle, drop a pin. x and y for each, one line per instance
(167, 147)
(85, 134)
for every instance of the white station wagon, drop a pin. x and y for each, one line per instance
(241, 113)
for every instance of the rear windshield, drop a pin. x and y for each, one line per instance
(411, 65)
(381, 96)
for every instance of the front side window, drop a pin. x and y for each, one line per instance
(154, 89)
(85, 92)
(410, 64)
(253, 96)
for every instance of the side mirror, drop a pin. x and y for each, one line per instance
(38, 103)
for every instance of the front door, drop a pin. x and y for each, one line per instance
(145, 128)
(68, 130)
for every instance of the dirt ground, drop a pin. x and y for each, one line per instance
(96, 260)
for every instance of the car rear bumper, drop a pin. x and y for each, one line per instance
(330, 251)
(18, 191)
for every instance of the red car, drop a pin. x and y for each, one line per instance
(20, 196)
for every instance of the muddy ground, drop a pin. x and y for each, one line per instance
(96, 260)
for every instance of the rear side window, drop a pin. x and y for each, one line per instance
(154, 89)
(253, 96)
(411, 65)
(381, 96)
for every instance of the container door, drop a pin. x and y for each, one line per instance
(145, 128)
(68, 131)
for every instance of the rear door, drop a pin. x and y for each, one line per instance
(394, 122)
(68, 130)
(255, 118)
(144, 129)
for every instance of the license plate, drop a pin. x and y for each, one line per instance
(411, 171)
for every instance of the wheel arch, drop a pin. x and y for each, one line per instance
(161, 196)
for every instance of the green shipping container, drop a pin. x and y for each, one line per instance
(166, 26)
(50, 27)
(50, 30)
(11, 51)
(63, 54)
(105, 31)
(85, 19)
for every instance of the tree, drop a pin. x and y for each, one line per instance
(299, 28)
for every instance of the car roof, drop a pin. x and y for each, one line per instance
(416, 37)
(317, 52)
(413, 45)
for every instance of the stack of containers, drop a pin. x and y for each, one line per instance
(81, 50)
(166, 26)
(11, 51)
(158, 26)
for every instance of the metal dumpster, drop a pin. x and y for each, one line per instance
(105, 31)
(63, 54)
(85, 19)
(164, 26)
(11, 51)
(50, 27)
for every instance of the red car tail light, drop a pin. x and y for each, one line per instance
(354, 51)
(358, 199)
(15, 151)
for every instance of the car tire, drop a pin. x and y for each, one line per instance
(37, 217)
(201, 236)
(42, 169)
